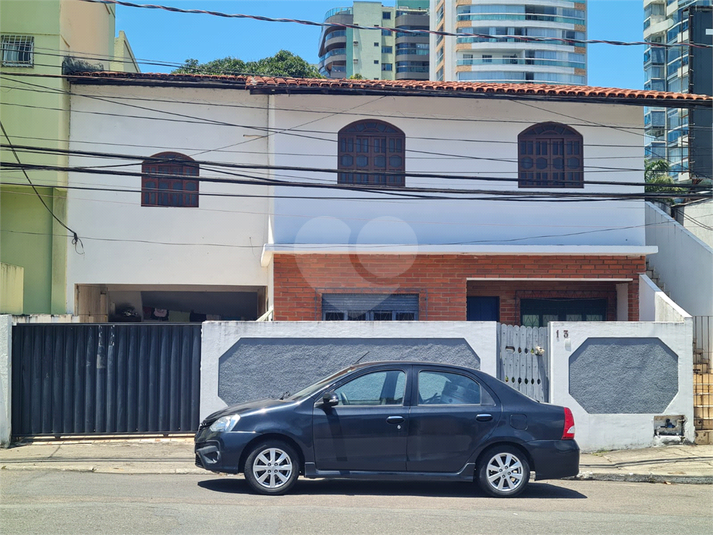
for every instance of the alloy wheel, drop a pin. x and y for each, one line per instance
(272, 468)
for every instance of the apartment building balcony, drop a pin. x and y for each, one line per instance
(333, 63)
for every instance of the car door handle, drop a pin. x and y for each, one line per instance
(395, 420)
(484, 417)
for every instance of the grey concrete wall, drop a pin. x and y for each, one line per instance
(241, 361)
(617, 377)
(302, 361)
(5, 380)
(645, 372)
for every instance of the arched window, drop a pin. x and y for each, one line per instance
(159, 190)
(550, 156)
(369, 148)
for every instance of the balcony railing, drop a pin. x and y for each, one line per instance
(521, 61)
(338, 11)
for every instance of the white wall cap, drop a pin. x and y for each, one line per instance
(324, 248)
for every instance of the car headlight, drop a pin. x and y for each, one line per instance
(224, 424)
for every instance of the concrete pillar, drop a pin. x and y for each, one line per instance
(5, 380)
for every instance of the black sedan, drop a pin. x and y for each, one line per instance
(393, 420)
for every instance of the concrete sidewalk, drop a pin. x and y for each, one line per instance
(672, 464)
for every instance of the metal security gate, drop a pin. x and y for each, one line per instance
(84, 379)
(522, 359)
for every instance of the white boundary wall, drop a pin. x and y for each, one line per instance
(684, 262)
(219, 337)
(5, 380)
(619, 431)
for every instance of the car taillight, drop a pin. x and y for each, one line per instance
(568, 431)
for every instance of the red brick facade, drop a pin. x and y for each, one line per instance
(442, 281)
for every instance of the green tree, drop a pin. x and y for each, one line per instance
(283, 63)
(658, 180)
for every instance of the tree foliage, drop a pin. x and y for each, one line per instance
(283, 63)
(658, 180)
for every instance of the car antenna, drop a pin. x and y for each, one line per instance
(364, 355)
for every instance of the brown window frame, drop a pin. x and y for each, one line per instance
(550, 155)
(362, 139)
(160, 190)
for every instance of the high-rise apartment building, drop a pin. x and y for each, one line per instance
(376, 54)
(680, 136)
(499, 54)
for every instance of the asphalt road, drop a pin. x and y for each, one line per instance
(53, 502)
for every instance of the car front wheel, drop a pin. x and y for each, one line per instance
(272, 467)
(503, 472)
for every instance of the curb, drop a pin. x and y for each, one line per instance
(98, 469)
(644, 478)
(148, 470)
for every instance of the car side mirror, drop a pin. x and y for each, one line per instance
(330, 399)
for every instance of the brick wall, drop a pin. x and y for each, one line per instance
(441, 280)
(511, 292)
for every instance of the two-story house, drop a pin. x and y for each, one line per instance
(356, 199)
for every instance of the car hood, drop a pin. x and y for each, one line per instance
(249, 406)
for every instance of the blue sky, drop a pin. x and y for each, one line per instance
(174, 37)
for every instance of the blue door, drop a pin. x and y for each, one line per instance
(483, 308)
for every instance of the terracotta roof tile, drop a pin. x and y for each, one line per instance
(406, 87)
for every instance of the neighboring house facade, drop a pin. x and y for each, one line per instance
(499, 203)
(376, 54)
(682, 138)
(172, 240)
(498, 53)
(36, 39)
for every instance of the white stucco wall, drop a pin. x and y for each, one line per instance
(684, 263)
(218, 337)
(474, 137)
(698, 220)
(655, 305)
(5, 380)
(219, 243)
(618, 431)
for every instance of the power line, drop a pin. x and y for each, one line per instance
(332, 171)
(374, 189)
(75, 238)
(178, 148)
(328, 247)
(272, 131)
(525, 39)
(112, 98)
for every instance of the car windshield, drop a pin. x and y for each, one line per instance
(311, 389)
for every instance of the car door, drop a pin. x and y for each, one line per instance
(452, 414)
(368, 429)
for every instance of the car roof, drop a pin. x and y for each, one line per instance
(411, 363)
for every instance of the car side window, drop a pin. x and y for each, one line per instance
(378, 388)
(443, 388)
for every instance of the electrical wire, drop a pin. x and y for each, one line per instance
(387, 190)
(76, 241)
(218, 166)
(430, 153)
(118, 99)
(192, 120)
(525, 39)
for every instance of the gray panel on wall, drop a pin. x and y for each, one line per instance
(623, 375)
(258, 368)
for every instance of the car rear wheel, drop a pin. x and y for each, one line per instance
(272, 467)
(503, 472)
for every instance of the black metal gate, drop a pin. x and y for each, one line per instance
(86, 379)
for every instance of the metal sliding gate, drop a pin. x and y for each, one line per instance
(86, 379)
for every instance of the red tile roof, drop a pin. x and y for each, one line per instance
(276, 84)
